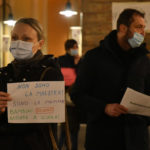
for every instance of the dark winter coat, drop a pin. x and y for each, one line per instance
(26, 136)
(67, 61)
(102, 79)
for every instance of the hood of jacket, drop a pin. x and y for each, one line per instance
(111, 45)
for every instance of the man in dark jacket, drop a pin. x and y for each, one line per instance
(101, 84)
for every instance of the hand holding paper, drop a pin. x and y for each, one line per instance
(115, 110)
(136, 102)
(4, 97)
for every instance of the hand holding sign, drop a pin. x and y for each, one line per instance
(36, 102)
(4, 97)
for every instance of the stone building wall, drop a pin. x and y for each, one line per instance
(97, 21)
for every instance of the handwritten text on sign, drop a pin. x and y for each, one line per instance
(36, 102)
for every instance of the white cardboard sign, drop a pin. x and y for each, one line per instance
(36, 102)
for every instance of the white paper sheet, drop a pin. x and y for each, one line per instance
(136, 102)
(36, 102)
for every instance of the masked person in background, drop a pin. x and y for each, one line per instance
(69, 64)
(103, 76)
(28, 65)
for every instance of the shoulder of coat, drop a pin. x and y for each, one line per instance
(5, 70)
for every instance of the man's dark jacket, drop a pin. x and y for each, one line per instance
(102, 79)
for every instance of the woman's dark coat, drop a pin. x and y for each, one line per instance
(102, 79)
(26, 136)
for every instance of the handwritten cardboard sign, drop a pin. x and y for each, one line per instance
(69, 75)
(36, 102)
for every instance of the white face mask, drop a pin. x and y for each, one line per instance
(21, 50)
(136, 40)
(74, 52)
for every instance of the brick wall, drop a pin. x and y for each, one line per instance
(97, 21)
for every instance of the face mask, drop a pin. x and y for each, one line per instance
(21, 50)
(136, 40)
(74, 52)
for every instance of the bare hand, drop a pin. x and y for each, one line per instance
(115, 110)
(4, 97)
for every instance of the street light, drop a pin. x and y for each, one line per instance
(68, 12)
(9, 20)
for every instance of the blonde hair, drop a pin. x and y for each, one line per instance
(34, 24)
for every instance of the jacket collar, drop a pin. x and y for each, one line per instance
(111, 45)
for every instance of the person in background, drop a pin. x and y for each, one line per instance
(103, 77)
(28, 65)
(69, 64)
